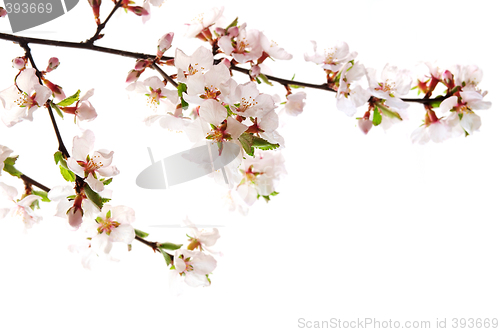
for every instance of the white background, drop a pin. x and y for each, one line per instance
(364, 226)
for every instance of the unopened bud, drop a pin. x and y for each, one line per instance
(164, 43)
(365, 125)
(3, 12)
(142, 64)
(96, 5)
(139, 11)
(53, 64)
(133, 76)
(19, 63)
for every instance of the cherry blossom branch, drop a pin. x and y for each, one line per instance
(29, 180)
(136, 55)
(164, 75)
(61, 147)
(153, 245)
(101, 26)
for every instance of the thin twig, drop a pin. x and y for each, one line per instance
(62, 148)
(101, 26)
(27, 179)
(164, 75)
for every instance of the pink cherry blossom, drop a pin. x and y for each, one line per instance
(22, 100)
(112, 225)
(203, 21)
(295, 103)
(19, 210)
(88, 164)
(194, 266)
(331, 58)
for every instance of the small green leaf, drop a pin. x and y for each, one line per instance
(377, 117)
(257, 79)
(170, 246)
(54, 106)
(182, 87)
(106, 182)
(436, 103)
(42, 194)
(167, 257)
(58, 156)
(265, 79)
(105, 200)
(108, 214)
(389, 113)
(233, 24)
(93, 196)
(11, 160)
(262, 144)
(12, 170)
(141, 233)
(246, 141)
(67, 174)
(70, 100)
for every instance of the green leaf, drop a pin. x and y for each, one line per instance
(257, 79)
(377, 117)
(70, 100)
(54, 106)
(93, 196)
(105, 200)
(170, 246)
(262, 144)
(168, 260)
(233, 24)
(389, 113)
(265, 79)
(58, 156)
(141, 233)
(436, 103)
(246, 141)
(67, 174)
(182, 87)
(11, 160)
(106, 182)
(42, 194)
(12, 170)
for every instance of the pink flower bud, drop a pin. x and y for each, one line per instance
(365, 125)
(19, 63)
(96, 5)
(142, 64)
(133, 76)
(447, 76)
(139, 11)
(53, 64)
(164, 43)
(3, 12)
(75, 217)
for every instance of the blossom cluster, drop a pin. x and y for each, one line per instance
(201, 98)
(357, 86)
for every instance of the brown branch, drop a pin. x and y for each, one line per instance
(136, 55)
(101, 26)
(62, 147)
(29, 180)
(164, 75)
